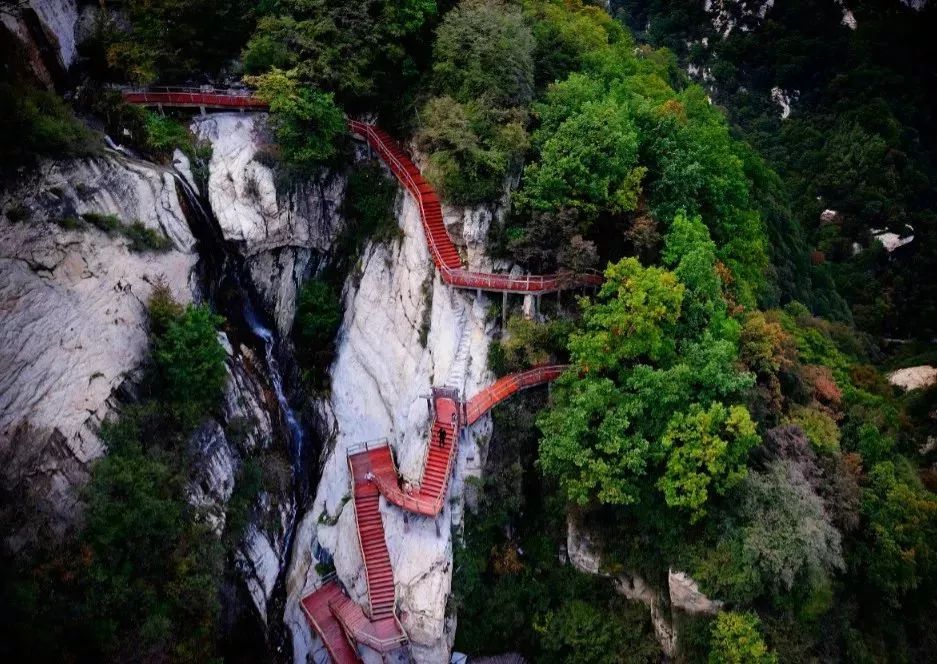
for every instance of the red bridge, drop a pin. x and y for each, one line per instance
(203, 98)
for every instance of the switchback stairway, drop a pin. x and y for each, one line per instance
(337, 618)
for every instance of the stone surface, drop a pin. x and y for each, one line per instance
(380, 379)
(683, 592)
(283, 235)
(73, 327)
(912, 378)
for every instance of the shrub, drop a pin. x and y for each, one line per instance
(191, 363)
(143, 238)
(318, 315)
(735, 639)
(369, 205)
(162, 308)
(306, 122)
(164, 134)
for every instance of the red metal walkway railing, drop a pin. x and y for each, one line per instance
(443, 251)
(328, 608)
(204, 97)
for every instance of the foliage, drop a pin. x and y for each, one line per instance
(369, 204)
(36, 123)
(365, 51)
(583, 632)
(820, 428)
(786, 533)
(142, 238)
(473, 129)
(318, 315)
(306, 122)
(527, 343)
(169, 40)
(709, 449)
(471, 148)
(150, 566)
(164, 134)
(191, 363)
(587, 164)
(902, 528)
(621, 423)
(736, 640)
(483, 51)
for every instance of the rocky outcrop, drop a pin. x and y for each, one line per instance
(73, 327)
(46, 30)
(381, 378)
(913, 378)
(283, 233)
(682, 594)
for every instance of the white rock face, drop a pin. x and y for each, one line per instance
(381, 377)
(73, 325)
(58, 19)
(784, 99)
(913, 378)
(892, 241)
(281, 234)
(683, 591)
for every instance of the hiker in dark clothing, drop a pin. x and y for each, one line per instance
(442, 437)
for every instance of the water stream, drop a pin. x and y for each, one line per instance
(229, 290)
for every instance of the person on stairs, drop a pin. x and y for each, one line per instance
(442, 437)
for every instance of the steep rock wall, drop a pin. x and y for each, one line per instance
(73, 327)
(283, 233)
(381, 378)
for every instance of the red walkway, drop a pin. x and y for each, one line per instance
(337, 619)
(193, 98)
(444, 252)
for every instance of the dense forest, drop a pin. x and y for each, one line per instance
(726, 411)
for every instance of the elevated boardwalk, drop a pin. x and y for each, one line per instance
(335, 617)
(443, 251)
(201, 98)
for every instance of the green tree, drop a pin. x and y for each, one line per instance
(902, 528)
(306, 122)
(472, 148)
(318, 315)
(168, 40)
(707, 450)
(483, 51)
(150, 567)
(603, 439)
(736, 639)
(582, 632)
(587, 164)
(191, 363)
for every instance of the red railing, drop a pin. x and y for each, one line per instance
(502, 388)
(459, 277)
(193, 97)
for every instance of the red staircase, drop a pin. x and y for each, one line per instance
(317, 607)
(443, 251)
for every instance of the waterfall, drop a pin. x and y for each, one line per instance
(273, 369)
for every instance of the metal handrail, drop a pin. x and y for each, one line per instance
(529, 283)
(363, 637)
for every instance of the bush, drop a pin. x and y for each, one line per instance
(306, 122)
(36, 123)
(369, 205)
(191, 363)
(736, 640)
(141, 237)
(318, 315)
